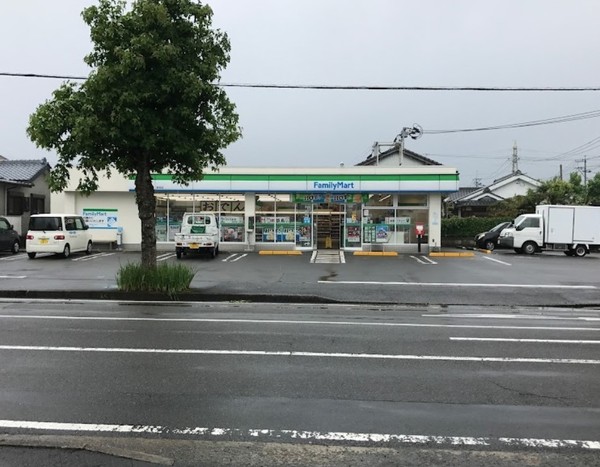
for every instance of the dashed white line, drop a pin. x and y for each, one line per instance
(461, 284)
(497, 261)
(13, 277)
(534, 341)
(286, 353)
(328, 436)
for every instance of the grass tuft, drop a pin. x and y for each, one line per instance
(169, 279)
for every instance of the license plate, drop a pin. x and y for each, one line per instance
(194, 246)
(43, 241)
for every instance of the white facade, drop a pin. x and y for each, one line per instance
(355, 208)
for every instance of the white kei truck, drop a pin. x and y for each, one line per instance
(572, 229)
(199, 233)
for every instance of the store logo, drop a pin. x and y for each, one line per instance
(333, 185)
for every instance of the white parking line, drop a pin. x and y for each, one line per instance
(287, 353)
(16, 257)
(460, 284)
(496, 261)
(239, 257)
(313, 256)
(165, 257)
(535, 341)
(308, 436)
(423, 260)
(92, 257)
(229, 257)
(13, 277)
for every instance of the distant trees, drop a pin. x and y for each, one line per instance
(553, 191)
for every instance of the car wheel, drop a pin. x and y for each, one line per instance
(88, 250)
(529, 248)
(67, 251)
(31, 255)
(490, 245)
(16, 247)
(213, 253)
(178, 254)
(580, 251)
(217, 251)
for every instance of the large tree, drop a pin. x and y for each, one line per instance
(150, 104)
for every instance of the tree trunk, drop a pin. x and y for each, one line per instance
(144, 197)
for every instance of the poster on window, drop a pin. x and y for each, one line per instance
(382, 233)
(353, 234)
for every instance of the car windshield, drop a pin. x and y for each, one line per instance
(499, 227)
(518, 220)
(45, 223)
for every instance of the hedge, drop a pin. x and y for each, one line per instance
(469, 226)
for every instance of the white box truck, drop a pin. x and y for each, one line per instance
(572, 229)
(199, 232)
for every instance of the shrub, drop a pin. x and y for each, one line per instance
(170, 279)
(469, 226)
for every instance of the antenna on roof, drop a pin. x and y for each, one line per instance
(415, 132)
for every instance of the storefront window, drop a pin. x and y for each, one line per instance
(265, 218)
(352, 233)
(304, 225)
(380, 200)
(392, 226)
(161, 217)
(412, 200)
(231, 213)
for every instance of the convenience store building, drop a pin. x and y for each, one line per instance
(358, 208)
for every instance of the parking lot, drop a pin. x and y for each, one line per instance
(499, 278)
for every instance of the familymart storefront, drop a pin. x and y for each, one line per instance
(357, 208)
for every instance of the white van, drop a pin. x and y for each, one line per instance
(57, 233)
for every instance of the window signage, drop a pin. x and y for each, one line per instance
(330, 198)
(101, 218)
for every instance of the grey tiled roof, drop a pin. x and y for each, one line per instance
(22, 170)
(462, 192)
(370, 160)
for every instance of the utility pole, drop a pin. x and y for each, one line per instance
(515, 159)
(584, 169)
(561, 177)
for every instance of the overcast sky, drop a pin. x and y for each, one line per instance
(508, 43)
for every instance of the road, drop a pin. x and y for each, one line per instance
(548, 279)
(341, 384)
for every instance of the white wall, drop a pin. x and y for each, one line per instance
(435, 222)
(518, 187)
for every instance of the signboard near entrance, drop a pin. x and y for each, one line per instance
(330, 198)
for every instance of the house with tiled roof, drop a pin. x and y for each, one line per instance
(391, 158)
(23, 190)
(475, 201)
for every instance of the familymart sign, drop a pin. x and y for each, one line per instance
(309, 183)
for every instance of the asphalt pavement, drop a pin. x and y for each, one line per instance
(413, 383)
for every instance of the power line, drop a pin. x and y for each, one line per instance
(353, 88)
(546, 121)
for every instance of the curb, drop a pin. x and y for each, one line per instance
(278, 252)
(453, 254)
(375, 253)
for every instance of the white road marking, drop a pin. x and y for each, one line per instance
(328, 436)
(498, 316)
(537, 341)
(428, 259)
(165, 257)
(287, 353)
(13, 277)
(292, 322)
(92, 257)
(497, 261)
(313, 256)
(342, 257)
(229, 257)
(16, 257)
(460, 284)
(239, 257)
(418, 260)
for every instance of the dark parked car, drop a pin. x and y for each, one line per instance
(9, 238)
(489, 240)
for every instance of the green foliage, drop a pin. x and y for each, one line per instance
(593, 190)
(150, 104)
(462, 227)
(165, 278)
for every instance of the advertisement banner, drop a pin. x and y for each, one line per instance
(101, 218)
